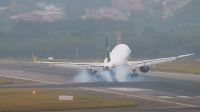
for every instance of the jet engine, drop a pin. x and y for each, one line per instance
(144, 69)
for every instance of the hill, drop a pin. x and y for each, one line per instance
(62, 28)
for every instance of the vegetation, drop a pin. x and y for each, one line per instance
(147, 33)
(89, 43)
(47, 99)
(181, 66)
(5, 82)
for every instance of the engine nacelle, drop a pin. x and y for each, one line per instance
(144, 69)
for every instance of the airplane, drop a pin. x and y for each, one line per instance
(118, 56)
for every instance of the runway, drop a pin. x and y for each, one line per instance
(154, 91)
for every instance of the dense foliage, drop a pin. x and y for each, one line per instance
(146, 34)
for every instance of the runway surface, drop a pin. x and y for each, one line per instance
(154, 91)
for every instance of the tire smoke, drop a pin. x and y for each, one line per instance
(121, 74)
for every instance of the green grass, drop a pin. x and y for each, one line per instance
(182, 66)
(47, 99)
(5, 82)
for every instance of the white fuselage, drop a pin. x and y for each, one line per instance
(118, 56)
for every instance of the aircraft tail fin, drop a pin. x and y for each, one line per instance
(107, 50)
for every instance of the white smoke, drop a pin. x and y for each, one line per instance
(122, 73)
(118, 74)
(106, 76)
(84, 76)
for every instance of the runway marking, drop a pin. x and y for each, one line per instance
(186, 97)
(165, 97)
(141, 97)
(128, 89)
(47, 82)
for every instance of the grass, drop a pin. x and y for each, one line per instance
(181, 66)
(5, 82)
(47, 99)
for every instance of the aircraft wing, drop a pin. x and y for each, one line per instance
(80, 65)
(72, 65)
(138, 64)
(67, 64)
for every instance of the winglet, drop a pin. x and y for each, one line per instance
(34, 58)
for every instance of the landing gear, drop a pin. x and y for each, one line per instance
(109, 73)
(94, 76)
(134, 74)
(92, 72)
(109, 70)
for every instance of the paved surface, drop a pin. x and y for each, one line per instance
(155, 91)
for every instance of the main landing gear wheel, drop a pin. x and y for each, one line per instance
(134, 75)
(92, 72)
